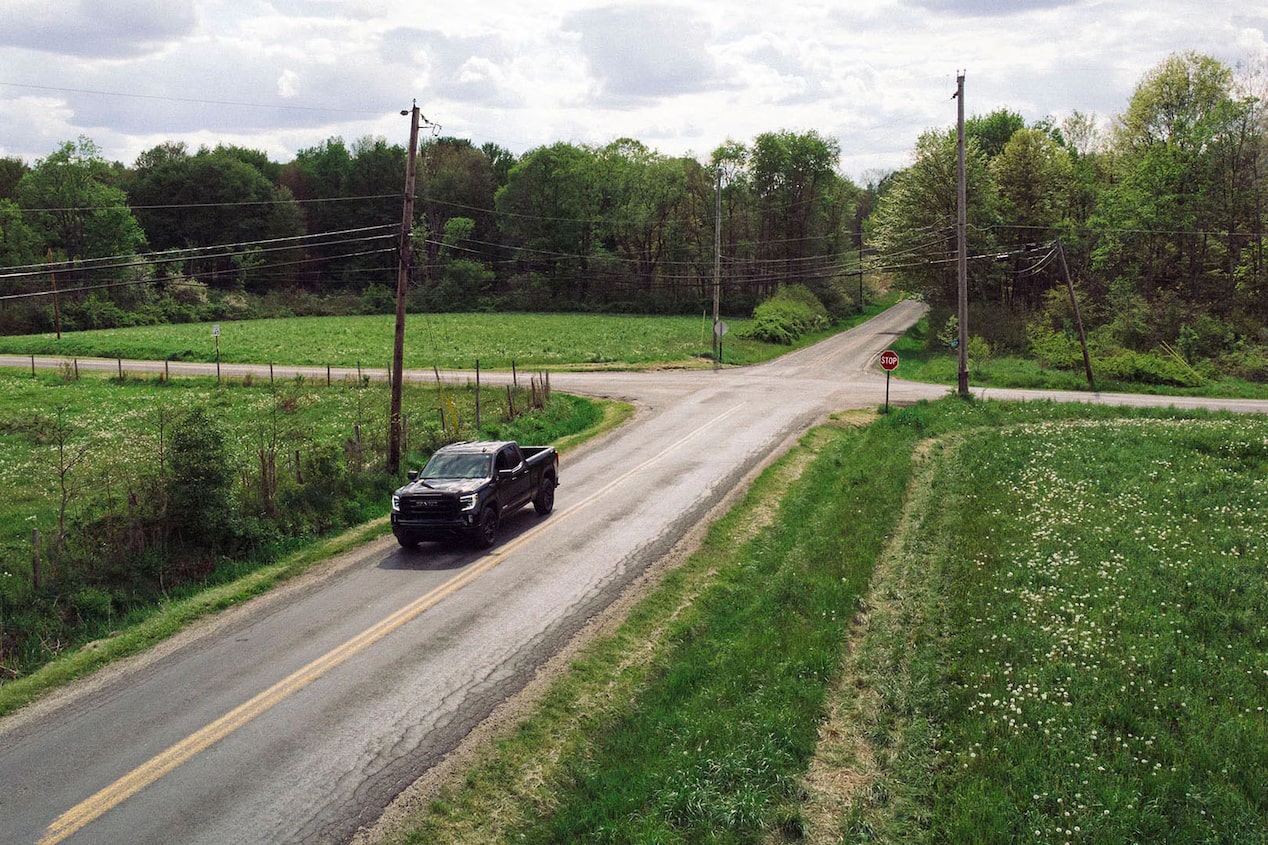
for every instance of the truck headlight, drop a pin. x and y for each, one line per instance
(396, 503)
(469, 501)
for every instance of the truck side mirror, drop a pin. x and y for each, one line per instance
(412, 475)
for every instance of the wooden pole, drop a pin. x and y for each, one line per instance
(404, 260)
(477, 396)
(717, 268)
(57, 311)
(961, 229)
(1078, 317)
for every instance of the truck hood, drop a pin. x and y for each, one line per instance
(457, 486)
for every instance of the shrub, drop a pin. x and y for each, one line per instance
(792, 312)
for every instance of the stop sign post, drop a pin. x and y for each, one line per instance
(889, 363)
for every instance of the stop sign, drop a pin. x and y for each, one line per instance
(889, 360)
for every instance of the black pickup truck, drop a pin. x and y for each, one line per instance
(466, 489)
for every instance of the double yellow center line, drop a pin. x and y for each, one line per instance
(130, 784)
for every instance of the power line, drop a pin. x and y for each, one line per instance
(115, 262)
(196, 101)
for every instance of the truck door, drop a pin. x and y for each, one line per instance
(513, 477)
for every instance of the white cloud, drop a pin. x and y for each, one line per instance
(683, 76)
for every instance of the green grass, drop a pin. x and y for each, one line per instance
(441, 340)
(1065, 641)
(1104, 661)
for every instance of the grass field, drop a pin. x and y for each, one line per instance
(1062, 638)
(442, 340)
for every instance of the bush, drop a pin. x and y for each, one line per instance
(1145, 368)
(792, 312)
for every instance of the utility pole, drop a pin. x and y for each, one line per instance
(961, 231)
(717, 268)
(1078, 317)
(402, 286)
(57, 312)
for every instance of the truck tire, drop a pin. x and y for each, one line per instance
(486, 532)
(544, 501)
(407, 541)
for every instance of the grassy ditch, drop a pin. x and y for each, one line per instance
(449, 341)
(965, 622)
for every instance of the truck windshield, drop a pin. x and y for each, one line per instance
(457, 466)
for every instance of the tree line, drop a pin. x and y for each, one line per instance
(1158, 214)
(197, 235)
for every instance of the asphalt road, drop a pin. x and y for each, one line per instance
(298, 717)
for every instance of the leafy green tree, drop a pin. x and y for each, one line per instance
(548, 210)
(1033, 175)
(1185, 203)
(236, 204)
(456, 179)
(11, 172)
(200, 487)
(79, 212)
(341, 189)
(652, 214)
(915, 222)
(993, 131)
(795, 186)
(19, 243)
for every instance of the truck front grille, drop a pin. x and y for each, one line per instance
(429, 507)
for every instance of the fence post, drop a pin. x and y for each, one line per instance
(35, 558)
(477, 408)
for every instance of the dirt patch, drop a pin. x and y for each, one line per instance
(857, 742)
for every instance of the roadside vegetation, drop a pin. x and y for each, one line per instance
(966, 621)
(928, 356)
(125, 495)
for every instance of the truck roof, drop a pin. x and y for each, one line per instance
(476, 446)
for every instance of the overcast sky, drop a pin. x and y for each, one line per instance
(681, 76)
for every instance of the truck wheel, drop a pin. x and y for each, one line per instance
(544, 501)
(407, 541)
(487, 531)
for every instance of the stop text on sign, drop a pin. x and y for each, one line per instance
(889, 360)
